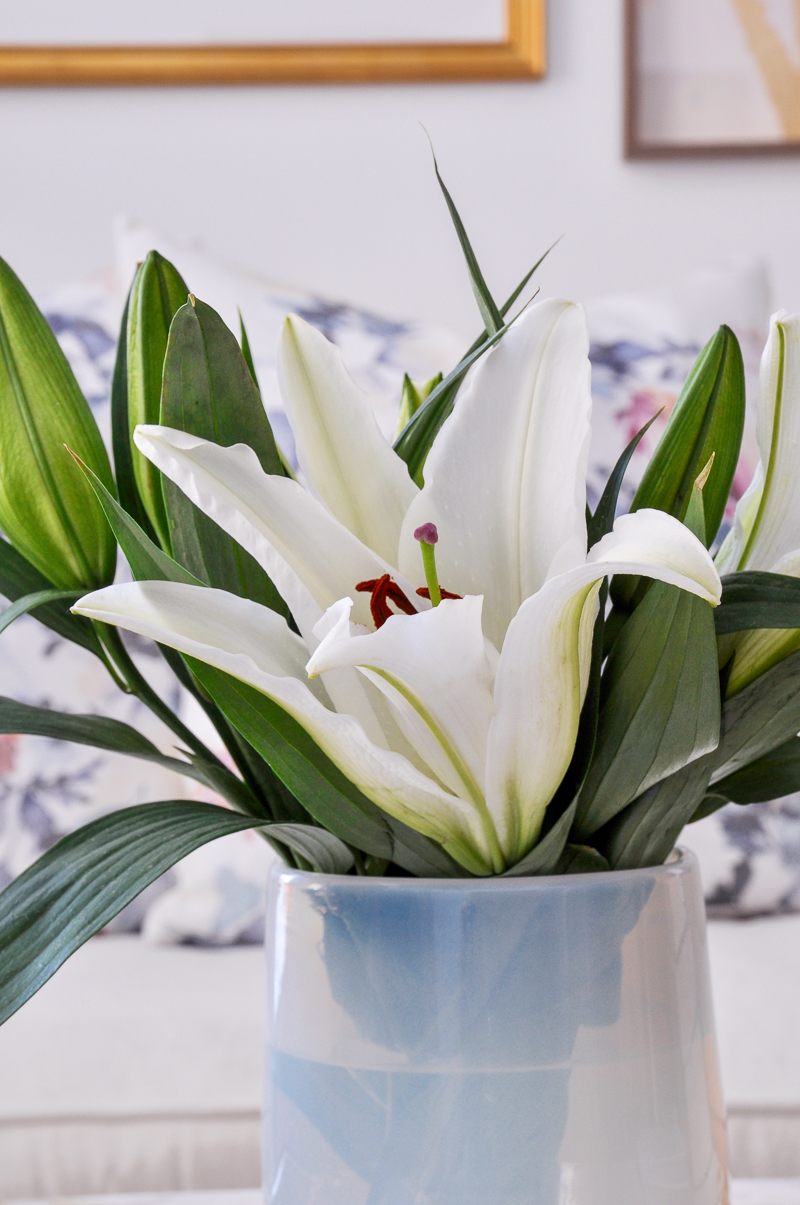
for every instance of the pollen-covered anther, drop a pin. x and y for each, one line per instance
(385, 590)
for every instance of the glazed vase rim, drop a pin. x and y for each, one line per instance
(681, 861)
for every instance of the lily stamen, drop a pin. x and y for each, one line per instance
(385, 590)
(424, 592)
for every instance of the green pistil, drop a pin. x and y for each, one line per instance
(429, 563)
(428, 537)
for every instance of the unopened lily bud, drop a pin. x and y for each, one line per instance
(157, 293)
(412, 397)
(48, 510)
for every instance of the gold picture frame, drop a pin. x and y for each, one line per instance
(522, 55)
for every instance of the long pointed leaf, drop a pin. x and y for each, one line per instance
(102, 732)
(30, 602)
(602, 521)
(146, 560)
(760, 719)
(772, 776)
(753, 599)
(317, 846)
(322, 789)
(545, 856)
(148, 563)
(19, 578)
(414, 442)
(89, 876)
(492, 318)
(660, 703)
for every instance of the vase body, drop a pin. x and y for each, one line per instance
(531, 1041)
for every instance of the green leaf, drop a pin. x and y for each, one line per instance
(148, 563)
(89, 876)
(324, 852)
(772, 776)
(101, 732)
(602, 521)
(581, 859)
(209, 391)
(30, 602)
(660, 703)
(753, 599)
(146, 560)
(19, 578)
(330, 798)
(47, 510)
(645, 832)
(759, 718)
(762, 717)
(286, 468)
(545, 856)
(246, 352)
(492, 318)
(415, 441)
(157, 292)
(708, 419)
(120, 432)
(707, 806)
(420, 856)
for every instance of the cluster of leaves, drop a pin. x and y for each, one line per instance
(656, 746)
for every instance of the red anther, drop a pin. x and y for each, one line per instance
(399, 599)
(424, 592)
(383, 589)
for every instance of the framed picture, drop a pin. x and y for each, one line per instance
(268, 41)
(712, 77)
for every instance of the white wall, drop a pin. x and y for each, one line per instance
(332, 187)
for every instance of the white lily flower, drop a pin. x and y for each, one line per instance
(766, 527)
(459, 719)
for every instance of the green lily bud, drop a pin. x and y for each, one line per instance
(158, 291)
(708, 419)
(48, 511)
(412, 398)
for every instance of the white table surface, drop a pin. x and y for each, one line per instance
(743, 1192)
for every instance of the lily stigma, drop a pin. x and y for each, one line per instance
(457, 715)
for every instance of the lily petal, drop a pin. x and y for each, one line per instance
(199, 616)
(214, 627)
(658, 545)
(767, 521)
(544, 663)
(342, 452)
(436, 664)
(312, 559)
(504, 482)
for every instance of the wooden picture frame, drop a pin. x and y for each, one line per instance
(522, 55)
(638, 147)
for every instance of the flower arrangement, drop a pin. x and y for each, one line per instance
(425, 659)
